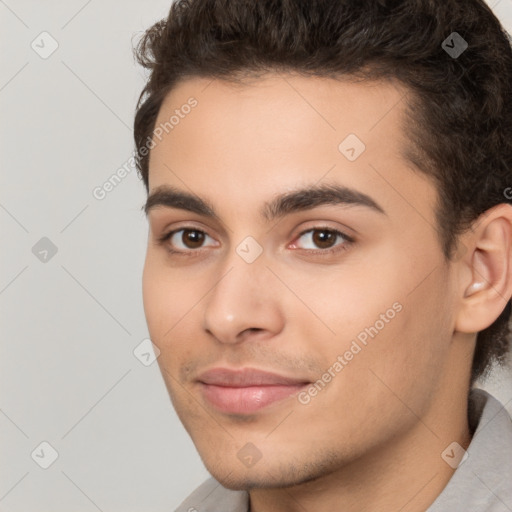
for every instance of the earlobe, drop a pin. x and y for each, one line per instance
(487, 287)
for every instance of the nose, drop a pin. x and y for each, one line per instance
(244, 302)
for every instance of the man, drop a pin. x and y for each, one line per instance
(328, 267)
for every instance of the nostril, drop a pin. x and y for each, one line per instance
(252, 329)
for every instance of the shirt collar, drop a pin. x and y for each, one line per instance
(482, 482)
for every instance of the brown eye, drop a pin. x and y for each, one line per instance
(323, 238)
(186, 240)
(192, 238)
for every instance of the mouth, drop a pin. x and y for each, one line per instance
(246, 391)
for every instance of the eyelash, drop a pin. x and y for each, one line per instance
(348, 241)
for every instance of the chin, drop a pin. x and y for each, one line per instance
(263, 475)
(247, 482)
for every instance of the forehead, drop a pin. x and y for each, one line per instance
(242, 142)
(288, 103)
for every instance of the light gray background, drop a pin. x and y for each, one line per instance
(70, 324)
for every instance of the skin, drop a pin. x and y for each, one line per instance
(382, 423)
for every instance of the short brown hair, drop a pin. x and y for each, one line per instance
(459, 119)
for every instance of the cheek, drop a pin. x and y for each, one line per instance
(390, 320)
(165, 300)
(402, 361)
(346, 299)
(153, 296)
(172, 306)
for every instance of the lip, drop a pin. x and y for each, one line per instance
(246, 391)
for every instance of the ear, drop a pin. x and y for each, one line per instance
(485, 277)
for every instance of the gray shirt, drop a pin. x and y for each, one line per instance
(482, 482)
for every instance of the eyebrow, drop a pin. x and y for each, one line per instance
(290, 202)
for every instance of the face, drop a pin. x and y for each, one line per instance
(293, 326)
